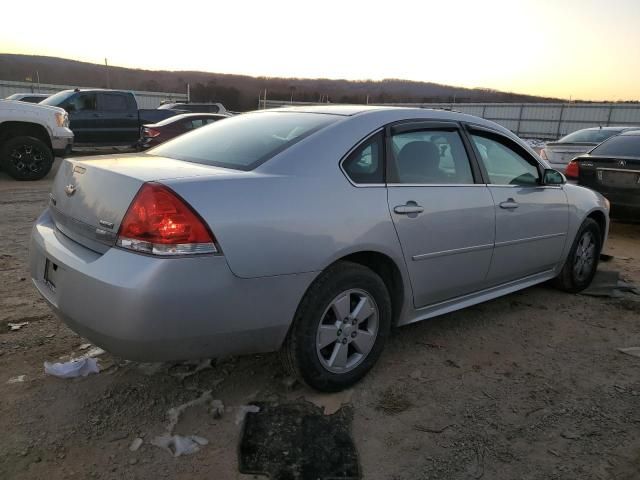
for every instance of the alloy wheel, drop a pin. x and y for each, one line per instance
(347, 331)
(584, 259)
(27, 158)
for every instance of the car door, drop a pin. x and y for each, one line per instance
(118, 118)
(83, 117)
(532, 219)
(443, 214)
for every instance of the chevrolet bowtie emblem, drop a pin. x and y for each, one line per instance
(70, 190)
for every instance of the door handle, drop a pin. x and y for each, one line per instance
(97, 115)
(408, 208)
(510, 204)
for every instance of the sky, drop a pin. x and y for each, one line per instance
(579, 49)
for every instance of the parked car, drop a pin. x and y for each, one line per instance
(561, 152)
(105, 117)
(155, 134)
(311, 231)
(613, 169)
(30, 137)
(28, 97)
(194, 107)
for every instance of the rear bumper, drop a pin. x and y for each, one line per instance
(153, 309)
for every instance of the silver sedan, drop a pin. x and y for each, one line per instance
(310, 231)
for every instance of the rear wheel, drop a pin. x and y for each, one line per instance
(582, 262)
(26, 158)
(340, 328)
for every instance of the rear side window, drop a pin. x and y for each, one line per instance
(113, 102)
(588, 136)
(620, 146)
(429, 157)
(245, 141)
(365, 164)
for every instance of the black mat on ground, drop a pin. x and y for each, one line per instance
(296, 441)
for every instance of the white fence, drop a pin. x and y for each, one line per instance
(532, 120)
(145, 99)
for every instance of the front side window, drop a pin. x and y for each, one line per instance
(365, 164)
(429, 157)
(620, 146)
(503, 164)
(82, 102)
(245, 141)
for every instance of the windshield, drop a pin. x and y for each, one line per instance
(620, 146)
(245, 141)
(57, 99)
(589, 136)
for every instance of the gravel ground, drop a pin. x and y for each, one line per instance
(529, 386)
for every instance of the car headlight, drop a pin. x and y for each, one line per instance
(607, 203)
(62, 119)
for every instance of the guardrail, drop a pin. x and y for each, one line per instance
(530, 120)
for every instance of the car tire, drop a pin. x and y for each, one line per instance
(582, 262)
(359, 338)
(26, 158)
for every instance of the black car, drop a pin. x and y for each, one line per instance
(613, 169)
(155, 134)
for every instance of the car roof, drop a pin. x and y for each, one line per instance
(620, 128)
(388, 114)
(631, 132)
(190, 115)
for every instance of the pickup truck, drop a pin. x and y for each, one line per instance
(30, 136)
(105, 117)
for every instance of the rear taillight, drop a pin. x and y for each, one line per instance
(572, 170)
(159, 222)
(543, 154)
(150, 132)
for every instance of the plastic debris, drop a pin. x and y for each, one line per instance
(191, 368)
(16, 326)
(94, 352)
(173, 414)
(178, 445)
(18, 379)
(80, 367)
(243, 410)
(633, 351)
(217, 408)
(607, 283)
(135, 445)
(84, 346)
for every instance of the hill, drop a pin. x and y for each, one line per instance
(240, 92)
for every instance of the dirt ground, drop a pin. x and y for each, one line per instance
(529, 386)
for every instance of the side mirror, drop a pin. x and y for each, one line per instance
(553, 177)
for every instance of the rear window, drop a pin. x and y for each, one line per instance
(245, 141)
(589, 136)
(620, 146)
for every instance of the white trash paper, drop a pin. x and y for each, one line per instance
(80, 367)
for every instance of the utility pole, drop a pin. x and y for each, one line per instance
(38, 78)
(106, 65)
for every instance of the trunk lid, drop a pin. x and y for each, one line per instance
(610, 172)
(565, 152)
(90, 196)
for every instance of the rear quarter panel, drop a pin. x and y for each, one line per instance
(298, 212)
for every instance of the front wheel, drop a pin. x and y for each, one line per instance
(340, 328)
(26, 158)
(582, 262)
